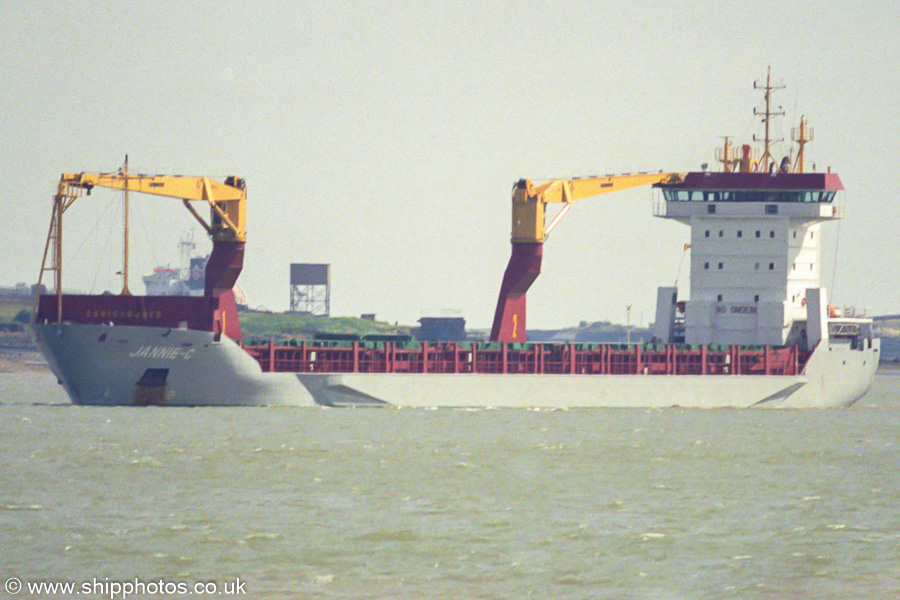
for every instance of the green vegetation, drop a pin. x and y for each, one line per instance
(15, 313)
(11, 307)
(599, 331)
(280, 326)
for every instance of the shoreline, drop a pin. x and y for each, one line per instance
(22, 360)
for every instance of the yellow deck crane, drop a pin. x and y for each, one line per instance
(529, 231)
(226, 226)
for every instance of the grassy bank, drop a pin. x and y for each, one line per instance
(13, 306)
(280, 326)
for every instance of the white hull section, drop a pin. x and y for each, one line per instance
(122, 365)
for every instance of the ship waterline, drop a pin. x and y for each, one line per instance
(108, 365)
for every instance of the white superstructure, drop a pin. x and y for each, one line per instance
(755, 255)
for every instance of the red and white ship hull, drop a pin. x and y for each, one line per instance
(127, 365)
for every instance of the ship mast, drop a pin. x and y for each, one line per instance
(125, 291)
(186, 246)
(767, 117)
(801, 135)
(724, 155)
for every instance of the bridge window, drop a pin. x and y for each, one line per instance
(682, 195)
(753, 197)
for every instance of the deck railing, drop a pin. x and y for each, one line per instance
(501, 358)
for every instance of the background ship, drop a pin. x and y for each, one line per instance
(756, 330)
(184, 280)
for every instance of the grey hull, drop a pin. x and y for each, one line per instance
(108, 365)
(123, 365)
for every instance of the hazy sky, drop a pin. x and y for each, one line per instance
(384, 137)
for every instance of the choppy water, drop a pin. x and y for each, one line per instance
(388, 503)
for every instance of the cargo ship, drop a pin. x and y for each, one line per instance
(756, 330)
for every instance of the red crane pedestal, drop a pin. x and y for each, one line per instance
(523, 268)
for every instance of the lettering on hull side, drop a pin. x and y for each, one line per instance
(163, 352)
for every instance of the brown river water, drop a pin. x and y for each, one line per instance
(423, 504)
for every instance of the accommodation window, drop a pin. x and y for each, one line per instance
(706, 233)
(720, 297)
(721, 233)
(740, 233)
(771, 234)
(756, 266)
(711, 209)
(758, 233)
(756, 297)
(720, 266)
(706, 265)
(771, 266)
(795, 235)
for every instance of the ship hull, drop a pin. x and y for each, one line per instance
(109, 365)
(132, 365)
